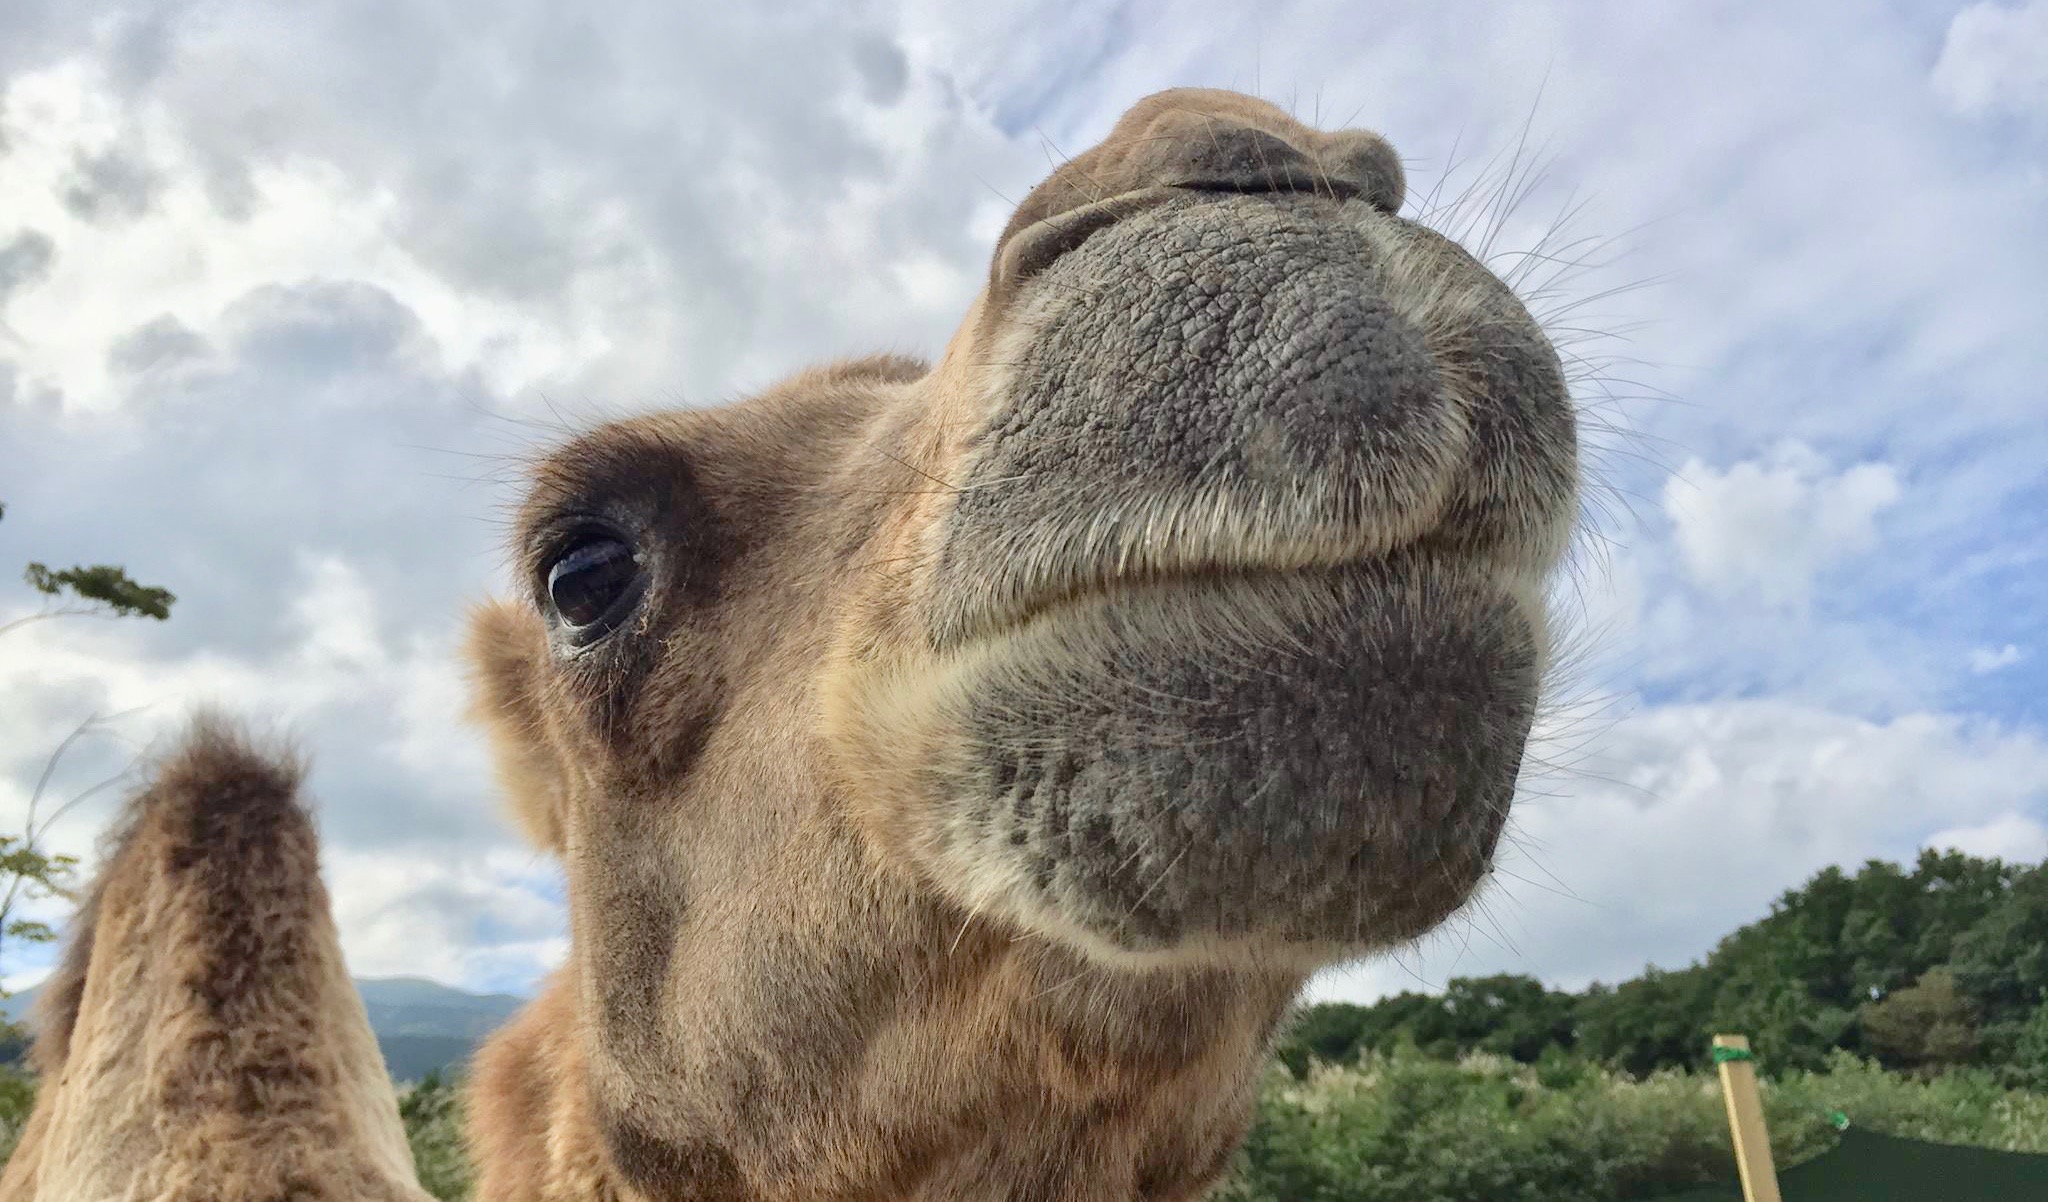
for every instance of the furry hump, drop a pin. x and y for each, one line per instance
(200, 1038)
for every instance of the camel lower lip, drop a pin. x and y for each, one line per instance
(1310, 758)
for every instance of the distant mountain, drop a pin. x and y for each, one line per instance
(410, 1057)
(412, 1006)
(421, 1025)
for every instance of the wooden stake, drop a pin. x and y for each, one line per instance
(1746, 1121)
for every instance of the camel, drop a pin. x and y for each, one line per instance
(200, 1040)
(958, 770)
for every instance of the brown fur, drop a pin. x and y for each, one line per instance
(784, 982)
(200, 1039)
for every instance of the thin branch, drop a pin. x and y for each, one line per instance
(50, 769)
(78, 612)
(68, 806)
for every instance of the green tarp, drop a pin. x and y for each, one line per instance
(1866, 1167)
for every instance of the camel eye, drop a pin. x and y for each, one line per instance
(591, 584)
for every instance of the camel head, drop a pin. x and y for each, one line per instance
(959, 769)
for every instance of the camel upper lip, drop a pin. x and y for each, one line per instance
(1042, 243)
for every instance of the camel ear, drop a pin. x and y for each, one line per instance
(506, 652)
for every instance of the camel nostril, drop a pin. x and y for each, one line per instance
(1239, 159)
(1368, 164)
(1313, 183)
(1343, 165)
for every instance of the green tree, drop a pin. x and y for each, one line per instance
(30, 875)
(1928, 1025)
(1657, 1020)
(1787, 980)
(432, 1113)
(2001, 964)
(1796, 980)
(1837, 965)
(1955, 892)
(2028, 1063)
(1328, 1031)
(1508, 1015)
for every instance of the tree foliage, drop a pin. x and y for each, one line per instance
(30, 874)
(1654, 1021)
(1939, 965)
(100, 588)
(432, 1112)
(1926, 1024)
(102, 584)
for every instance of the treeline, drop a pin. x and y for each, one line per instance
(1941, 966)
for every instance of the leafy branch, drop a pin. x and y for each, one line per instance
(101, 590)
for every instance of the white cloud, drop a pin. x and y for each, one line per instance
(181, 255)
(1985, 660)
(1770, 527)
(2014, 838)
(1996, 58)
(486, 920)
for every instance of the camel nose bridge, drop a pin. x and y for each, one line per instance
(1212, 381)
(1181, 367)
(1307, 405)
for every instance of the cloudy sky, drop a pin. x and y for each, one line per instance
(284, 298)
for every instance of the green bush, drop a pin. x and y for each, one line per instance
(1407, 1127)
(432, 1111)
(1963, 1106)
(17, 1099)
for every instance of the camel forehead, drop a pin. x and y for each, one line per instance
(737, 463)
(784, 426)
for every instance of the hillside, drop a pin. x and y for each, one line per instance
(421, 1025)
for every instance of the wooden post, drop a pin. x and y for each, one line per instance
(1746, 1118)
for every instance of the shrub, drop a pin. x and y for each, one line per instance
(432, 1111)
(1963, 1106)
(17, 1099)
(1406, 1127)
